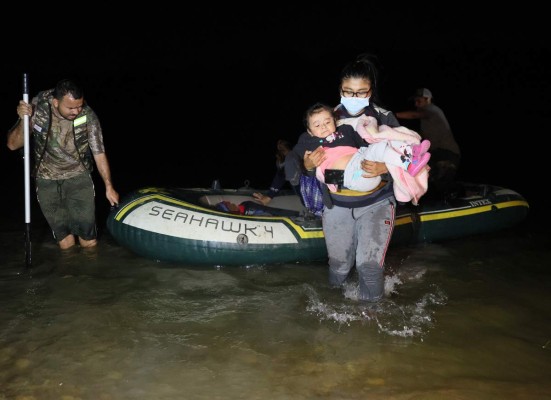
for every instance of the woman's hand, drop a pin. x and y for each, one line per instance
(313, 159)
(373, 168)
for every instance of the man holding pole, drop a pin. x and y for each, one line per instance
(66, 135)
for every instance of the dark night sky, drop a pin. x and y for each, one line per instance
(186, 97)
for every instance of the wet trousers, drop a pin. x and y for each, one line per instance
(360, 237)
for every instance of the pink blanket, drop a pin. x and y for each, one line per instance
(406, 187)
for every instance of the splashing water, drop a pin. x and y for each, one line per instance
(407, 309)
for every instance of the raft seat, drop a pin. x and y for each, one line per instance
(290, 202)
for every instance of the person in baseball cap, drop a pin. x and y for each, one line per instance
(423, 92)
(445, 152)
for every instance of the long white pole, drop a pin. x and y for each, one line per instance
(26, 158)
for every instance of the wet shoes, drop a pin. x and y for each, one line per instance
(419, 157)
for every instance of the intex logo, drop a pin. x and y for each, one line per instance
(483, 202)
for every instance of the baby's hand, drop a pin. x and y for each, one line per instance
(262, 198)
(367, 126)
(370, 125)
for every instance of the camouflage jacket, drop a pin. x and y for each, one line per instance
(85, 127)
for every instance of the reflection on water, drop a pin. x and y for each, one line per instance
(468, 319)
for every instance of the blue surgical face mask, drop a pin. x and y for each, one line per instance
(354, 104)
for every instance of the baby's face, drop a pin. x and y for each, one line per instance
(321, 124)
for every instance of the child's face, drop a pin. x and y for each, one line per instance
(321, 124)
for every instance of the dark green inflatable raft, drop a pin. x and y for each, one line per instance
(185, 226)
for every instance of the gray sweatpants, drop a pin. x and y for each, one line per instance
(359, 236)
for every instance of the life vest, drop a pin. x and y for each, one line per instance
(42, 120)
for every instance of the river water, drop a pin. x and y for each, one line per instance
(464, 319)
